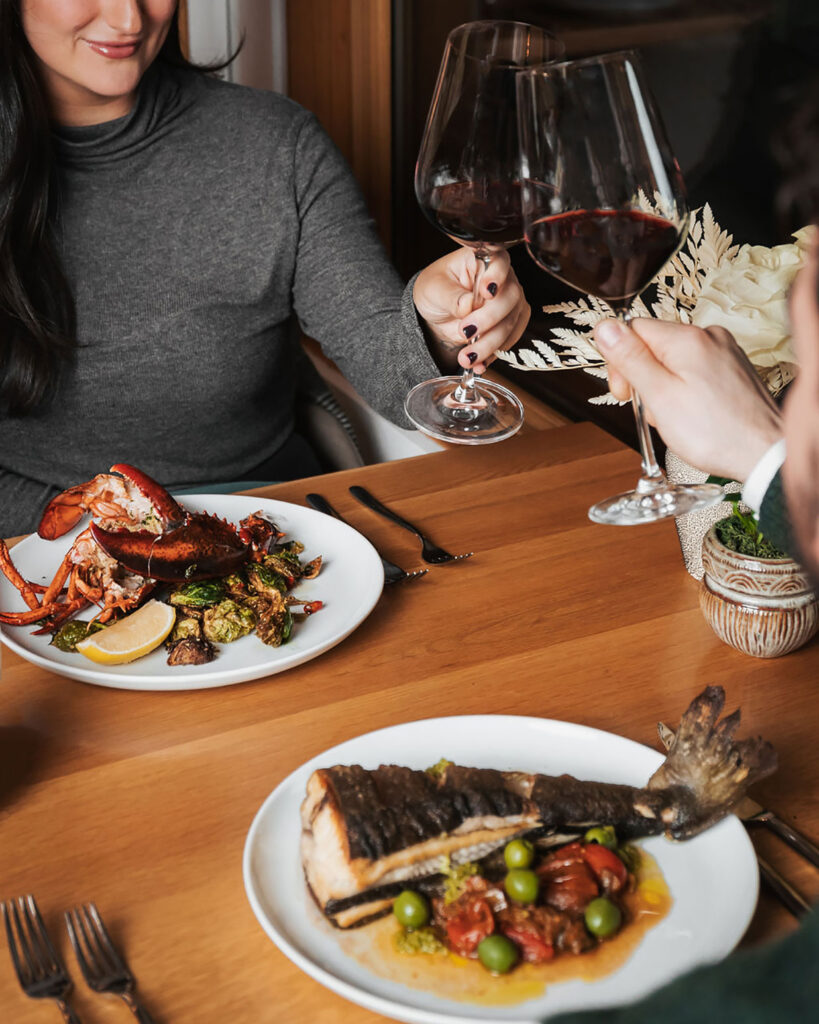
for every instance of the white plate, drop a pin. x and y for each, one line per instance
(713, 878)
(349, 584)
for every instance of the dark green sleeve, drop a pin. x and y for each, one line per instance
(772, 984)
(774, 520)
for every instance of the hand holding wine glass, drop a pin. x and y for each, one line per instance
(604, 209)
(467, 182)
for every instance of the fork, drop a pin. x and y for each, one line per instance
(39, 968)
(430, 552)
(102, 966)
(392, 573)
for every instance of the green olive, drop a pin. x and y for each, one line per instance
(411, 909)
(521, 885)
(603, 917)
(604, 835)
(497, 953)
(519, 853)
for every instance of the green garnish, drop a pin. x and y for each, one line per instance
(69, 635)
(438, 769)
(456, 875)
(418, 940)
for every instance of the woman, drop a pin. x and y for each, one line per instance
(158, 230)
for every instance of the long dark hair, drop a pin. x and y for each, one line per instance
(37, 321)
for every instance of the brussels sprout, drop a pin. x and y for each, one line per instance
(264, 579)
(236, 585)
(286, 563)
(185, 627)
(202, 594)
(290, 547)
(69, 635)
(275, 623)
(227, 621)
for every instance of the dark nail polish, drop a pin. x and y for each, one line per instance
(492, 289)
(469, 330)
(472, 356)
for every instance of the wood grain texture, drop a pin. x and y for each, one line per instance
(339, 67)
(142, 801)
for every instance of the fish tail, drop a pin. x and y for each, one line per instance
(709, 764)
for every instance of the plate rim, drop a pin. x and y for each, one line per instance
(151, 682)
(419, 1015)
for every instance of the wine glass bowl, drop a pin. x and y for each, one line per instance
(604, 209)
(467, 182)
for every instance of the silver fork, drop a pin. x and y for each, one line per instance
(392, 573)
(430, 552)
(103, 968)
(39, 967)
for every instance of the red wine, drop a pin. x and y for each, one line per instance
(474, 211)
(612, 254)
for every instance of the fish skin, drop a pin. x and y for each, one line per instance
(367, 829)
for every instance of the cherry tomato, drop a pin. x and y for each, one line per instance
(472, 924)
(611, 872)
(534, 949)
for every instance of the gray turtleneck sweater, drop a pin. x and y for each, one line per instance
(191, 230)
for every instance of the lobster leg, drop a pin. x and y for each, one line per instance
(28, 591)
(56, 585)
(26, 618)
(61, 614)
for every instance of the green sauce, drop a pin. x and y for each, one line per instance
(418, 940)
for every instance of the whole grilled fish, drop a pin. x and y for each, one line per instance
(366, 832)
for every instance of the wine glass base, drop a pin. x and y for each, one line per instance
(494, 415)
(649, 506)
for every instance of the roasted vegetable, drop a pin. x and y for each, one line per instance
(201, 594)
(274, 621)
(190, 651)
(263, 580)
(184, 627)
(227, 621)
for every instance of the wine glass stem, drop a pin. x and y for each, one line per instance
(465, 391)
(653, 477)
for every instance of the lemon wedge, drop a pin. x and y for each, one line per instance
(132, 637)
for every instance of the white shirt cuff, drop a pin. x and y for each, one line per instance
(759, 479)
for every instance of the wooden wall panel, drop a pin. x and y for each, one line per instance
(338, 57)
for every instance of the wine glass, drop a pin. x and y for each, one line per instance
(604, 209)
(467, 181)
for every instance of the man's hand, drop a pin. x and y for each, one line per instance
(699, 390)
(458, 335)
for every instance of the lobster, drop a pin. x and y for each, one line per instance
(144, 536)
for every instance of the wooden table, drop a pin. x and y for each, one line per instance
(142, 801)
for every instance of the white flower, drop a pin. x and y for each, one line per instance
(748, 296)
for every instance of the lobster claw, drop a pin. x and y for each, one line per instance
(202, 546)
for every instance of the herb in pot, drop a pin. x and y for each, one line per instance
(740, 531)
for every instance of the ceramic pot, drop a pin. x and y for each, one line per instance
(765, 607)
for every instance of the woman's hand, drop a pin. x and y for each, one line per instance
(699, 390)
(460, 336)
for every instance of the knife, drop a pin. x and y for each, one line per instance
(752, 813)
